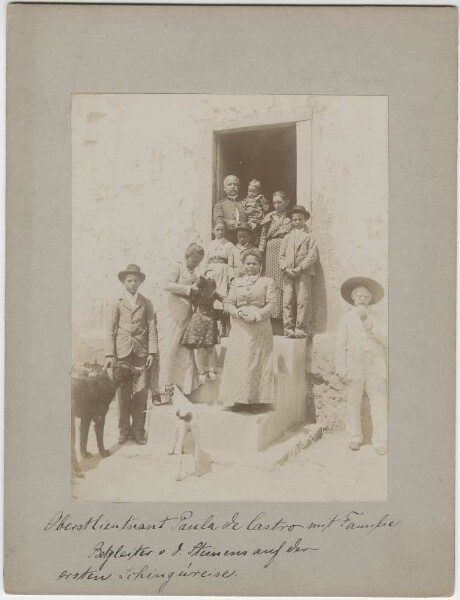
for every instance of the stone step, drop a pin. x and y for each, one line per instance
(219, 428)
(241, 430)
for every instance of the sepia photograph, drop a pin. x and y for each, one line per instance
(229, 298)
(229, 367)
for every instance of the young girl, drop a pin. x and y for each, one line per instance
(215, 266)
(201, 333)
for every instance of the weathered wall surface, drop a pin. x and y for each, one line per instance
(137, 192)
(349, 197)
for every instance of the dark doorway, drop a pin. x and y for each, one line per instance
(267, 154)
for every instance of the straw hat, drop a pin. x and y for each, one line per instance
(354, 282)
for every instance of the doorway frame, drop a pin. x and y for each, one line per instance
(300, 118)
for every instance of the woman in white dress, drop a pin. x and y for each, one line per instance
(216, 258)
(177, 363)
(215, 266)
(247, 376)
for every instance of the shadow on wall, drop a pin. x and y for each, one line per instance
(366, 421)
(319, 299)
(311, 409)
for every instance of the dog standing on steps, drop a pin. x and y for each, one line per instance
(93, 389)
(187, 434)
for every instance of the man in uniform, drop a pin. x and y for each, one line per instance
(360, 361)
(230, 209)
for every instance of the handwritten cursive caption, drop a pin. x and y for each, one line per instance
(214, 556)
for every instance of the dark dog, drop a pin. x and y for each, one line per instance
(92, 392)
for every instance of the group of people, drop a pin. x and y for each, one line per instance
(256, 271)
(182, 343)
(289, 251)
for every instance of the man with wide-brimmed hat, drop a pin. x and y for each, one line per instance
(297, 257)
(132, 337)
(361, 361)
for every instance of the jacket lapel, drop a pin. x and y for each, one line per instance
(303, 235)
(140, 302)
(125, 303)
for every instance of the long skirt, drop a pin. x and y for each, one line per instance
(247, 377)
(177, 363)
(272, 269)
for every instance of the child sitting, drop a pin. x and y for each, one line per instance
(255, 206)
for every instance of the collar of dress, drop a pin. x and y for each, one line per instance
(250, 279)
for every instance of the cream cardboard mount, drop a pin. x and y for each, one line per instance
(399, 58)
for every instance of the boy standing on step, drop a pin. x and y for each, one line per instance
(298, 255)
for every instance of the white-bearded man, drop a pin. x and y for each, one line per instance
(361, 362)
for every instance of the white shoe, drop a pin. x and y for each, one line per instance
(202, 378)
(211, 376)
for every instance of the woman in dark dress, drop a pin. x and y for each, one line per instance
(202, 332)
(275, 226)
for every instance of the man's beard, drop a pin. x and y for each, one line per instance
(361, 309)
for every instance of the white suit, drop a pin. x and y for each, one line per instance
(361, 357)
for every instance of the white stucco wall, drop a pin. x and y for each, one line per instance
(141, 172)
(349, 195)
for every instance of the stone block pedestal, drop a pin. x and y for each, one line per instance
(239, 430)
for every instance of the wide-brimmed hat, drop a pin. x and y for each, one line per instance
(299, 209)
(373, 286)
(244, 227)
(131, 270)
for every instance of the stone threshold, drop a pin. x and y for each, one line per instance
(278, 453)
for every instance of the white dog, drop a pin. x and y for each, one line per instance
(187, 434)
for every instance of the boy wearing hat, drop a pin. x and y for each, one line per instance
(360, 362)
(244, 236)
(298, 255)
(132, 338)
